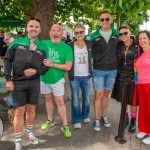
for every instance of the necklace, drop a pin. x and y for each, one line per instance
(125, 54)
(126, 49)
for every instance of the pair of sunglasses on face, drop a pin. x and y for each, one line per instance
(106, 19)
(80, 32)
(124, 33)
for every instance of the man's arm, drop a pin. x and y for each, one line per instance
(30, 71)
(8, 60)
(67, 66)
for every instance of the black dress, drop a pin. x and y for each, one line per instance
(124, 84)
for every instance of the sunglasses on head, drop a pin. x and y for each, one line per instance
(106, 19)
(124, 33)
(80, 32)
(32, 18)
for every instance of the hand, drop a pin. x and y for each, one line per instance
(47, 62)
(29, 72)
(10, 85)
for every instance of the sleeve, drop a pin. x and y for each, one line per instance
(118, 54)
(8, 60)
(69, 54)
(43, 68)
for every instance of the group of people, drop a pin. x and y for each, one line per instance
(33, 66)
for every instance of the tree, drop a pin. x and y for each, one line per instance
(128, 12)
(131, 12)
(42, 10)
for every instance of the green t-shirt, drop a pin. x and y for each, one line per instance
(59, 54)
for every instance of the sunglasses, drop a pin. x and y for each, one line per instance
(32, 18)
(80, 32)
(124, 33)
(106, 19)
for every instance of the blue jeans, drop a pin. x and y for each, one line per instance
(84, 84)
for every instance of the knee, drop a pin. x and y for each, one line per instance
(48, 98)
(30, 109)
(98, 95)
(19, 112)
(106, 93)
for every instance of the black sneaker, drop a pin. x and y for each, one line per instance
(132, 127)
(105, 122)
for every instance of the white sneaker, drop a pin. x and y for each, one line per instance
(34, 140)
(87, 120)
(146, 140)
(77, 125)
(141, 135)
(18, 146)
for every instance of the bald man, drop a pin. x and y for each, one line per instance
(52, 83)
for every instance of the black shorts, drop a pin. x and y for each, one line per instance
(26, 92)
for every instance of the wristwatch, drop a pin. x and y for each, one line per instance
(52, 65)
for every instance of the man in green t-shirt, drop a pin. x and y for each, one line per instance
(52, 82)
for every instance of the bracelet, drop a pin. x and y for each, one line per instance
(52, 65)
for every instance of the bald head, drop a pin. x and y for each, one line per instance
(56, 33)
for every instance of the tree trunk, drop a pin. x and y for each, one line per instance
(43, 10)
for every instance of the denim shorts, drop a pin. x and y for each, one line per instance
(104, 79)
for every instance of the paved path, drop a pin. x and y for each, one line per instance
(83, 139)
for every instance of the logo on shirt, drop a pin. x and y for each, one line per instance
(97, 39)
(54, 56)
(39, 52)
(22, 47)
(113, 37)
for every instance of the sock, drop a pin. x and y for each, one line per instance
(29, 128)
(134, 116)
(18, 136)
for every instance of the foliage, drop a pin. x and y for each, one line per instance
(85, 11)
(129, 12)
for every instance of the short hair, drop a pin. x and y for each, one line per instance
(33, 18)
(123, 27)
(104, 12)
(79, 25)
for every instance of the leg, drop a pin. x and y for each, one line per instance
(85, 89)
(63, 114)
(75, 103)
(61, 108)
(105, 102)
(108, 85)
(18, 121)
(49, 106)
(46, 89)
(30, 115)
(133, 113)
(97, 103)
(121, 130)
(98, 84)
